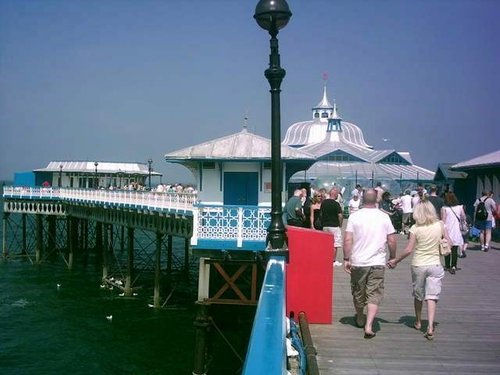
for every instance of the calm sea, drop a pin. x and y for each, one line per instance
(46, 329)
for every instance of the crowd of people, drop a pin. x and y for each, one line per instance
(160, 188)
(375, 219)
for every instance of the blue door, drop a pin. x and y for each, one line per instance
(241, 188)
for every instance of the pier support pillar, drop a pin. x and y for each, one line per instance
(98, 237)
(5, 218)
(186, 257)
(202, 326)
(122, 238)
(24, 250)
(169, 257)
(39, 237)
(73, 240)
(156, 297)
(105, 250)
(130, 262)
(51, 240)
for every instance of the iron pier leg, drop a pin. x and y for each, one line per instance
(186, 257)
(39, 237)
(51, 240)
(73, 240)
(130, 262)
(85, 241)
(4, 234)
(169, 257)
(105, 250)
(25, 246)
(122, 238)
(202, 326)
(156, 297)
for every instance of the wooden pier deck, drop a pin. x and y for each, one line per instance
(467, 338)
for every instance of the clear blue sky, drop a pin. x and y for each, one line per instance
(129, 80)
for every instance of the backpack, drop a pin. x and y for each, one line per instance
(481, 212)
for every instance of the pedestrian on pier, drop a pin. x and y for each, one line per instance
(452, 214)
(369, 232)
(426, 269)
(332, 217)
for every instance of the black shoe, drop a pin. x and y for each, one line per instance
(452, 270)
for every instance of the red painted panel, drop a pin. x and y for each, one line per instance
(309, 274)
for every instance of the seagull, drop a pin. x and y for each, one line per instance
(121, 294)
(103, 286)
(111, 287)
(119, 282)
(150, 305)
(109, 317)
(58, 286)
(135, 294)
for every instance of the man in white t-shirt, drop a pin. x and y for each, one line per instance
(368, 233)
(407, 209)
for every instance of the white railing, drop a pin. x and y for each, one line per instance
(239, 227)
(231, 223)
(179, 202)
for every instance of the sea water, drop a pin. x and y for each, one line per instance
(59, 321)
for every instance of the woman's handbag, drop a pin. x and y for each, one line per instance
(462, 222)
(444, 246)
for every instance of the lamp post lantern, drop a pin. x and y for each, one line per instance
(150, 169)
(96, 185)
(60, 175)
(273, 15)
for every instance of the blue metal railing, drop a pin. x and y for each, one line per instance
(267, 348)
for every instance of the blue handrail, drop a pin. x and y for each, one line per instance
(267, 348)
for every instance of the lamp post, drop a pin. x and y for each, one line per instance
(150, 169)
(96, 185)
(60, 175)
(273, 15)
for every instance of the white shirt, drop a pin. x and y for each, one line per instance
(370, 228)
(406, 205)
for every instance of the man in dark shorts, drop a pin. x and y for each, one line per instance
(368, 233)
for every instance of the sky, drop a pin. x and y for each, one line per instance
(130, 80)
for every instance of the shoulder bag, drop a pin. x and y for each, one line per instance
(464, 227)
(444, 246)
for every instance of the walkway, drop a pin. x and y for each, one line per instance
(467, 339)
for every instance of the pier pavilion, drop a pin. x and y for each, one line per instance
(88, 174)
(344, 158)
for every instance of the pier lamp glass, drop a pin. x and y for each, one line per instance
(271, 14)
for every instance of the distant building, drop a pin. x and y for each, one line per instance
(344, 158)
(88, 174)
(483, 174)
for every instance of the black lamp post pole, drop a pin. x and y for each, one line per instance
(273, 15)
(150, 161)
(96, 185)
(60, 175)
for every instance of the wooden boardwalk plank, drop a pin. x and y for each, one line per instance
(467, 339)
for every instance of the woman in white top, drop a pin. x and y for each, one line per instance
(451, 214)
(354, 203)
(426, 269)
